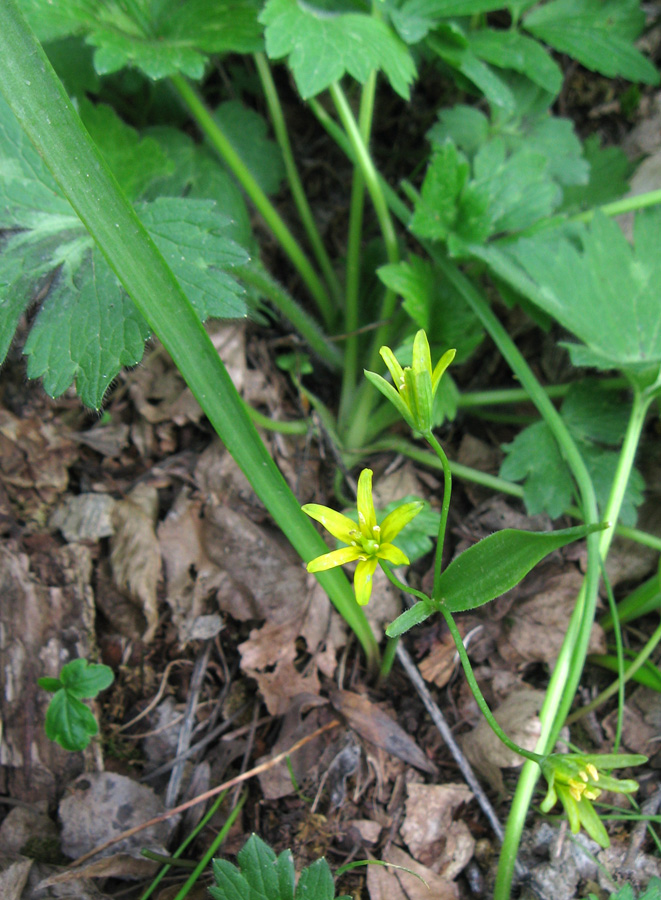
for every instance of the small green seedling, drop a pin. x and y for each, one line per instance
(263, 874)
(68, 721)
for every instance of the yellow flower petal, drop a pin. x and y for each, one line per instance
(392, 555)
(340, 526)
(362, 580)
(398, 519)
(366, 514)
(334, 558)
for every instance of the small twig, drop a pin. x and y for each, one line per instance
(154, 702)
(649, 808)
(186, 730)
(446, 733)
(246, 776)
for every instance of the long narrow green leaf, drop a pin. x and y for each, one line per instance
(498, 563)
(41, 105)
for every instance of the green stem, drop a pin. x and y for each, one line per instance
(354, 254)
(302, 426)
(373, 185)
(188, 840)
(395, 444)
(628, 673)
(295, 183)
(255, 275)
(616, 208)
(211, 851)
(44, 110)
(445, 511)
(572, 654)
(210, 127)
(479, 696)
(509, 396)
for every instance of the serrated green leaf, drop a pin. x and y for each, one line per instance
(450, 43)
(497, 563)
(410, 618)
(316, 882)
(189, 234)
(602, 465)
(434, 305)
(286, 875)
(163, 39)
(447, 203)
(322, 46)
(511, 50)
(464, 126)
(231, 885)
(600, 288)
(597, 33)
(534, 458)
(259, 868)
(135, 161)
(246, 130)
(83, 679)
(518, 188)
(86, 331)
(608, 180)
(416, 18)
(69, 722)
(198, 176)
(593, 413)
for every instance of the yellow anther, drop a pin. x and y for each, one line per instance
(593, 771)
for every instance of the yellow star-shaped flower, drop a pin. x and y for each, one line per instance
(367, 542)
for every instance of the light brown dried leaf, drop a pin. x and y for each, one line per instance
(135, 555)
(518, 716)
(429, 829)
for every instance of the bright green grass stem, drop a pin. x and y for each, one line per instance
(214, 133)
(42, 106)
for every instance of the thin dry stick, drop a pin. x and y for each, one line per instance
(186, 729)
(446, 733)
(246, 776)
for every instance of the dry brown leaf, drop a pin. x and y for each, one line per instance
(135, 555)
(268, 656)
(108, 440)
(191, 578)
(14, 872)
(385, 883)
(538, 626)
(441, 662)
(641, 722)
(300, 720)
(86, 517)
(518, 716)
(119, 865)
(35, 457)
(429, 829)
(374, 725)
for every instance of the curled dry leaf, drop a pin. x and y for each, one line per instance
(518, 716)
(385, 883)
(374, 725)
(135, 555)
(429, 829)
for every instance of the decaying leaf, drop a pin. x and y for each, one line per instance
(374, 725)
(539, 625)
(429, 829)
(384, 883)
(518, 716)
(135, 555)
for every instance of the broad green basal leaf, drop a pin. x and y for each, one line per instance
(603, 290)
(597, 33)
(323, 45)
(160, 38)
